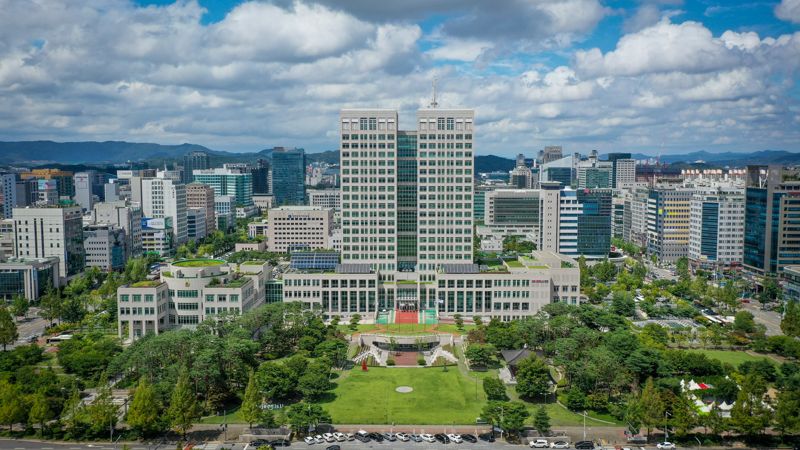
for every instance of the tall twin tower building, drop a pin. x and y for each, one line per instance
(407, 195)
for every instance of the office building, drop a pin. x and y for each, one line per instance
(6, 239)
(550, 154)
(521, 176)
(288, 176)
(594, 223)
(325, 198)
(192, 161)
(199, 195)
(127, 217)
(225, 212)
(158, 237)
(111, 191)
(63, 179)
(668, 222)
(196, 227)
(51, 232)
(299, 227)
(624, 175)
(634, 226)
(228, 182)
(772, 225)
(256, 229)
(8, 194)
(614, 159)
(105, 246)
(187, 293)
(28, 278)
(27, 194)
(716, 228)
(83, 184)
(47, 193)
(162, 198)
(513, 211)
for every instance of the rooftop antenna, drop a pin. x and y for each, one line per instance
(434, 104)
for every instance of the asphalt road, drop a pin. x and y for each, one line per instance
(32, 326)
(769, 319)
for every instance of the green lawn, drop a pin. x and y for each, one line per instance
(731, 356)
(438, 398)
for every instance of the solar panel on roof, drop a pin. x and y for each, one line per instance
(460, 268)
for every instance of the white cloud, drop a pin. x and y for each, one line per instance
(788, 10)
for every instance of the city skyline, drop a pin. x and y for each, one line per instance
(652, 77)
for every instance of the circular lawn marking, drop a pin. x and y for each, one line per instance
(404, 389)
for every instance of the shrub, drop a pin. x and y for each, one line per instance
(390, 362)
(421, 361)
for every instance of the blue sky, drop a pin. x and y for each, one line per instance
(649, 76)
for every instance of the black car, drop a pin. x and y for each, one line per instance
(488, 437)
(469, 438)
(363, 437)
(376, 437)
(333, 447)
(584, 445)
(280, 443)
(442, 438)
(259, 443)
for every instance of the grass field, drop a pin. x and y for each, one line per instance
(731, 357)
(438, 398)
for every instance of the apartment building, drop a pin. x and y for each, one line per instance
(295, 227)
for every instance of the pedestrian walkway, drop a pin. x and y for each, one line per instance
(406, 317)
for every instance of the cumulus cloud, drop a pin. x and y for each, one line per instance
(276, 73)
(788, 10)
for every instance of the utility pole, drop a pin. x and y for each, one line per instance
(584, 425)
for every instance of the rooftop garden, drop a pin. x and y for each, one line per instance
(204, 262)
(146, 283)
(514, 263)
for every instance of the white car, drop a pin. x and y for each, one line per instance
(340, 437)
(427, 437)
(539, 443)
(350, 436)
(329, 437)
(310, 440)
(559, 444)
(402, 437)
(456, 438)
(319, 439)
(665, 445)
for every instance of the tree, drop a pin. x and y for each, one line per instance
(541, 421)
(494, 388)
(576, 400)
(315, 381)
(304, 416)
(622, 304)
(354, 320)
(533, 377)
(480, 355)
(682, 268)
(12, 404)
(477, 320)
(20, 306)
(8, 329)
(459, 321)
(102, 413)
(50, 304)
(514, 416)
(787, 421)
(183, 405)
(40, 411)
(651, 406)
(750, 415)
(143, 415)
(252, 412)
(790, 323)
(684, 417)
(743, 322)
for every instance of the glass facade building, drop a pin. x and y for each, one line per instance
(288, 176)
(228, 182)
(406, 200)
(594, 224)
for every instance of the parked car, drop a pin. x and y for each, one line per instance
(442, 438)
(362, 436)
(455, 438)
(402, 437)
(310, 440)
(559, 444)
(469, 438)
(319, 439)
(391, 437)
(333, 447)
(584, 445)
(340, 437)
(259, 443)
(329, 437)
(350, 436)
(415, 437)
(376, 437)
(665, 445)
(487, 437)
(427, 437)
(539, 443)
(280, 443)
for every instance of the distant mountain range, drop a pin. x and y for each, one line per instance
(35, 153)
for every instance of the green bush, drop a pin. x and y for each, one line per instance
(421, 361)
(390, 362)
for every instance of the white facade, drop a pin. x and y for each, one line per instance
(626, 173)
(325, 198)
(51, 232)
(127, 217)
(716, 227)
(105, 247)
(162, 197)
(549, 209)
(291, 227)
(83, 189)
